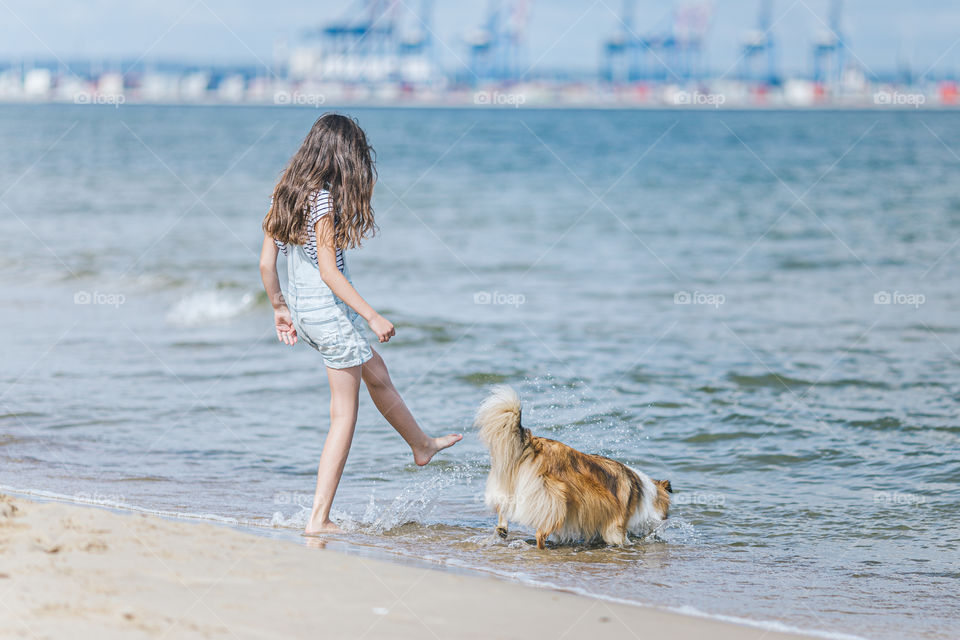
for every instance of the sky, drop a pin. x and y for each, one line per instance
(562, 34)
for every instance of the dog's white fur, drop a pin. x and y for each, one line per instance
(557, 490)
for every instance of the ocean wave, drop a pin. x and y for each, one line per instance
(211, 306)
(117, 503)
(779, 381)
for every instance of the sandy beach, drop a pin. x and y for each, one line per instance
(85, 572)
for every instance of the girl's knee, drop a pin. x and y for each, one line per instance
(376, 376)
(378, 382)
(344, 406)
(342, 414)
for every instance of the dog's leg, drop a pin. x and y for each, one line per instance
(615, 535)
(501, 524)
(542, 535)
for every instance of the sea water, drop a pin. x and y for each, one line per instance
(762, 307)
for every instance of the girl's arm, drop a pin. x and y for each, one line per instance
(268, 273)
(341, 287)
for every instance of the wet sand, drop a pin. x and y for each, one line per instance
(83, 572)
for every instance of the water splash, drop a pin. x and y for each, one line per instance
(216, 305)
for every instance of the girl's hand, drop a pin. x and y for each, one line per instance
(284, 324)
(382, 327)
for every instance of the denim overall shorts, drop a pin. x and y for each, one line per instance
(321, 319)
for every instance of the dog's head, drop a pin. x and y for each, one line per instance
(662, 500)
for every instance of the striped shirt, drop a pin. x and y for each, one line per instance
(320, 205)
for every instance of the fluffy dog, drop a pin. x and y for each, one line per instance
(557, 490)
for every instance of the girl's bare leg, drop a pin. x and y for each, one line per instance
(344, 397)
(388, 401)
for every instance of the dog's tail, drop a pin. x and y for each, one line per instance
(498, 420)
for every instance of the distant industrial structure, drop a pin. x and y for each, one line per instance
(387, 53)
(758, 56)
(829, 50)
(373, 49)
(671, 53)
(496, 49)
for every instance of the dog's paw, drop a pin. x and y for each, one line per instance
(502, 532)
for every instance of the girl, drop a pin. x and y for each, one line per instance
(320, 208)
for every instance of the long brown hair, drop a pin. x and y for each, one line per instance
(334, 156)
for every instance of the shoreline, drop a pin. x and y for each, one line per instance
(92, 572)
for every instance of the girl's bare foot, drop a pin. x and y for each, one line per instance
(323, 527)
(423, 455)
